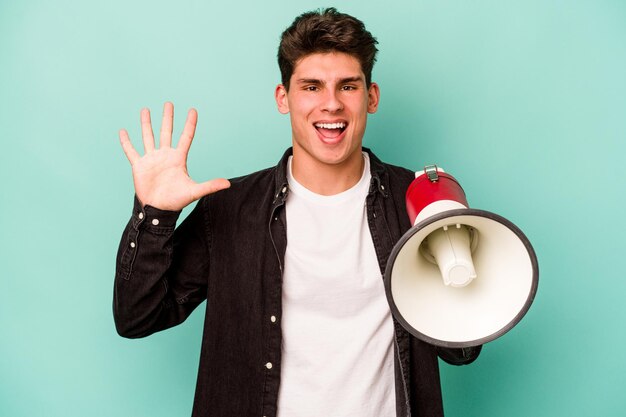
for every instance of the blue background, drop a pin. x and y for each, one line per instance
(523, 101)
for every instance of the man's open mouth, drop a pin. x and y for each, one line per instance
(331, 130)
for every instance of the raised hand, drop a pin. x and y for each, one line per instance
(160, 175)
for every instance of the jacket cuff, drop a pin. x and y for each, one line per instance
(459, 356)
(152, 217)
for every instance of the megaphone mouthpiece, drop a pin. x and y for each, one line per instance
(450, 248)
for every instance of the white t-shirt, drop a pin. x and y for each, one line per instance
(337, 353)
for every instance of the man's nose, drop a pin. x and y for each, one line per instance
(332, 101)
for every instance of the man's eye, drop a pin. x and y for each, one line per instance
(311, 88)
(348, 88)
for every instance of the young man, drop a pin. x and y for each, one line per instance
(289, 259)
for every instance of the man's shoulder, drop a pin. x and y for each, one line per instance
(267, 178)
(399, 178)
(250, 193)
(396, 174)
(266, 175)
(253, 186)
(399, 171)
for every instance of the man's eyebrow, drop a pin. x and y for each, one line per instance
(346, 80)
(351, 80)
(308, 81)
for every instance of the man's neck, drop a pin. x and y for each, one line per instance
(326, 179)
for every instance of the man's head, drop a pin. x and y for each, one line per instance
(326, 62)
(325, 31)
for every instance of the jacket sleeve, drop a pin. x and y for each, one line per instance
(459, 356)
(161, 271)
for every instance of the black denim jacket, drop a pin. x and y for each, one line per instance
(230, 251)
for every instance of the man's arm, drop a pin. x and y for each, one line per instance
(161, 273)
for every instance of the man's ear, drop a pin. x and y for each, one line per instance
(280, 94)
(373, 96)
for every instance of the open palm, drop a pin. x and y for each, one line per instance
(160, 175)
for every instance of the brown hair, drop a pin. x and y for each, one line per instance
(326, 30)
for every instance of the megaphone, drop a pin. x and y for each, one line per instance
(459, 277)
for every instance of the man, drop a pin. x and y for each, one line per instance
(289, 259)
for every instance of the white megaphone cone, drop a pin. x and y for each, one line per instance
(459, 277)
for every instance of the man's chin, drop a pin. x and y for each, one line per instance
(335, 154)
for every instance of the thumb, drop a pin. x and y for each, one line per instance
(210, 187)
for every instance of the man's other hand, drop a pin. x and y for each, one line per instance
(160, 175)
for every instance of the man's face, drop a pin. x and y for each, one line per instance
(328, 102)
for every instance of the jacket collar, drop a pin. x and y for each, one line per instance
(281, 186)
(380, 177)
(379, 183)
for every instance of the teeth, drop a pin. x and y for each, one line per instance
(340, 125)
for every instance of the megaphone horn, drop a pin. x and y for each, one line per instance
(459, 277)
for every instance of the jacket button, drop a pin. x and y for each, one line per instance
(155, 222)
(140, 215)
(273, 319)
(268, 365)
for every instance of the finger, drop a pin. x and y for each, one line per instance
(188, 131)
(127, 146)
(165, 139)
(146, 131)
(210, 187)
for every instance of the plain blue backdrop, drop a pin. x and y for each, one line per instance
(523, 101)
